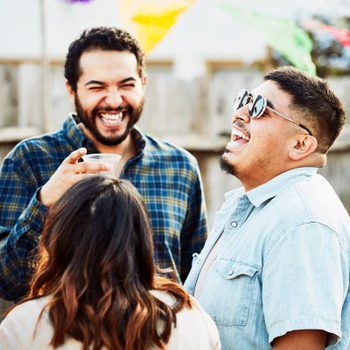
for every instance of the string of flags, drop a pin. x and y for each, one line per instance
(342, 35)
(151, 20)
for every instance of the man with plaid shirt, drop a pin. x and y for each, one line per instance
(105, 76)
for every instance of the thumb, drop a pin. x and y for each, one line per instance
(75, 155)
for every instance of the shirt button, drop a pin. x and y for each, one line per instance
(234, 224)
(231, 272)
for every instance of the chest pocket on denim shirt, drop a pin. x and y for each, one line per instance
(235, 291)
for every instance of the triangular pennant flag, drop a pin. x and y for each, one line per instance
(282, 34)
(342, 35)
(153, 19)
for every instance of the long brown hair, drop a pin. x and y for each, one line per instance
(96, 264)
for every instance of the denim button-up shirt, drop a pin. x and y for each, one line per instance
(282, 263)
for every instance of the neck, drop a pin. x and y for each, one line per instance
(250, 182)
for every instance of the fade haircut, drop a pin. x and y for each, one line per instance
(315, 103)
(101, 38)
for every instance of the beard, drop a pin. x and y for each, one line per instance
(89, 121)
(226, 166)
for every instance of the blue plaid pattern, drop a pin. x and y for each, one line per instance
(166, 176)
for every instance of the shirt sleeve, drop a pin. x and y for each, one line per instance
(195, 228)
(21, 220)
(304, 282)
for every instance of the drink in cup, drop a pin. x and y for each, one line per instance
(112, 159)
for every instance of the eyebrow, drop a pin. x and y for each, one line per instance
(269, 104)
(127, 79)
(97, 82)
(94, 82)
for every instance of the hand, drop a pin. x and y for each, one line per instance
(67, 174)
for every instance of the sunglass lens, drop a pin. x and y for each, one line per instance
(241, 99)
(258, 107)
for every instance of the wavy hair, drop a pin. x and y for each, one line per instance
(96, 264)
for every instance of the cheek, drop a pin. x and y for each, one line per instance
(263, 143)
(135, 96)
(90, 102)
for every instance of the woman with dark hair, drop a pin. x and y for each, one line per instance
(95, 285)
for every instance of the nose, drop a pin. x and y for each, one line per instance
(113, 98)
(241, 114)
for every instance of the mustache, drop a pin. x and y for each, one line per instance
(110, 109)
(241, 126)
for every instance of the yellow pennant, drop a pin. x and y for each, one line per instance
(150, 20)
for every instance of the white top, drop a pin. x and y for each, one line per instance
(194, 329)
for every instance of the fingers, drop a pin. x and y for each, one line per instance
(93, 167)
(75, 156)
(71, 164)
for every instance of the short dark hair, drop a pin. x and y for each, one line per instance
(103, 38)
(316, 102)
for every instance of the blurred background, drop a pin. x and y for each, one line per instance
(199, 53)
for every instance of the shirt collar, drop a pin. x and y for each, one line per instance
(140, 140)
(270, 189)
(75, 136)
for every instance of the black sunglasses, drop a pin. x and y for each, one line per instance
(258, 107)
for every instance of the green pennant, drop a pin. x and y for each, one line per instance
(283, 35)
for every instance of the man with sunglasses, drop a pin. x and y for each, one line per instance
(275, 270)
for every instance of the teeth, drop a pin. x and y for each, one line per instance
(112, 117)
(240, 134)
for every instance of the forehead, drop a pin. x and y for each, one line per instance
(273, 93)
(102, 63)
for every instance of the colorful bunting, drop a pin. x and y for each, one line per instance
(340, 34)
(283, 35)
(152, 19)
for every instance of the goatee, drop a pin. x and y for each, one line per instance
(226, 166)
(134, 115)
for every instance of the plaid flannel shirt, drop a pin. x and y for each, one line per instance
(166, 176)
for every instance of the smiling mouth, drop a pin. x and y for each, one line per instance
(112, 119)
(238, 134)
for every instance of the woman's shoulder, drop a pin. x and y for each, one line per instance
(32, 307)
(194, 327)
(22, 329)
(165, 297)
(19, 326)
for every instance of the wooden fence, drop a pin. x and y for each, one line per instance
(195, 114)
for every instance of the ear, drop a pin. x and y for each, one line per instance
(70, 91)
(144, 81)
(303, 146)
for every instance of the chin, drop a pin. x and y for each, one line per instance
(109, 140)
(226, 166)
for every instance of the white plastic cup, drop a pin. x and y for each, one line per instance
(110, 158)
